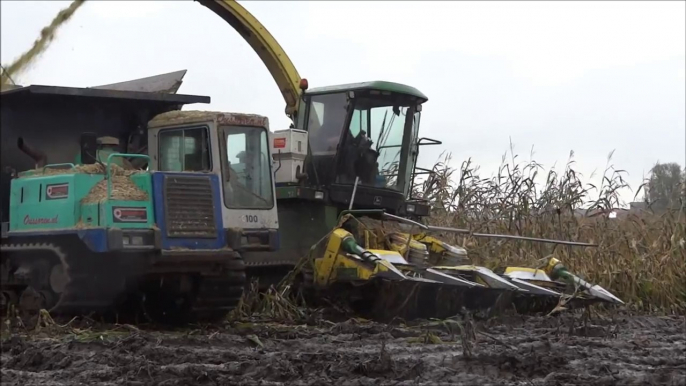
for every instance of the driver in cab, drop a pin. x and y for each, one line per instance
(105, 147)
(239, 182)
(324, 138)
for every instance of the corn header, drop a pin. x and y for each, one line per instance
(384, 269)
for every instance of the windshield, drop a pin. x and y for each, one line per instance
(325, 122)
(184, 150)
(247, 168)
(376, 133)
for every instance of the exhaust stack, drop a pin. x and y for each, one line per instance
(38, 156)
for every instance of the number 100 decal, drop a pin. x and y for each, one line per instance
(250, 218)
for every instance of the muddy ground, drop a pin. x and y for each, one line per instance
(511, 350)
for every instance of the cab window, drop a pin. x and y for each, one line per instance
(184, 150)
(326, 118)
(248, 176)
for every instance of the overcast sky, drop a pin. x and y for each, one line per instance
(568, 75)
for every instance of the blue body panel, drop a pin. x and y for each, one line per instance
(160, 215)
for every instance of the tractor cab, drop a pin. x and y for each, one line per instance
(358, 137)
(233, 147)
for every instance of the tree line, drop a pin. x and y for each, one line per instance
(665, 188)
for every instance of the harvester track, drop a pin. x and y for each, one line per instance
(67, 284)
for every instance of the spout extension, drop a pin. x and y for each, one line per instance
(38, 156)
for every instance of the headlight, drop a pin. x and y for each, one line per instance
(137, 240)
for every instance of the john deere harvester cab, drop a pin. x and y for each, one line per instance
(356, 140)
(163, 230)
(364, 132)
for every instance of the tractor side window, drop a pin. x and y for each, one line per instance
(326, 118)
(247, 172)
(184, 150)
(359, 122)
(387, 132)
(409, 172)
(235, 143)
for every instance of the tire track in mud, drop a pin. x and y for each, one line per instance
(523, 351)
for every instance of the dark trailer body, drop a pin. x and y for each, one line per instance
(69, 255)
(51, 119)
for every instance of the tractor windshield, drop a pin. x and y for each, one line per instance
(384, 128)
(374, 142)
(247, 172)
(326, 119)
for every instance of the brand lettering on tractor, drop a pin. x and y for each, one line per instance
(57, 191)
(243, 120)
(122, 214)
(40, 220)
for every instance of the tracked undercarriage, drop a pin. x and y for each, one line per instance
(171, 288)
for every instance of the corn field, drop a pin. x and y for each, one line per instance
(641, 257)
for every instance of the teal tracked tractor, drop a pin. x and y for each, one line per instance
(114, 201)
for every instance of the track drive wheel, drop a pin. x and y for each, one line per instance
(37, 278)
(195, 298)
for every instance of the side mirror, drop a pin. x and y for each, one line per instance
(89, 148)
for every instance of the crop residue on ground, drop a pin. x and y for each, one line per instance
(514, 351)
